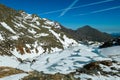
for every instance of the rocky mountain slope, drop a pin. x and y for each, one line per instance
(23, 33)
(110, 43)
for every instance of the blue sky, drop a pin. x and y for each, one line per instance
(100, 14)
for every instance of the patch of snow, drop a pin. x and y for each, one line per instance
(34, 19)
(14, 37)
(49, 23)
(105, 68)
(28, 55)
(18, 25)
(15, 77)
(32, 31)
(40, 35)
(28, 45)
(8, 61)
(57, 26)
(56, 49)
(112, 52)
(25, 66)
(26, 16)
(38, 23)
(44, 19)
(1, 38)
(34, 26)
(7, 27)
(67, 42)
(48, 27)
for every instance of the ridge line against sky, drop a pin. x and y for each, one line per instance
(90, 4)
(68, 8)
(98, 11)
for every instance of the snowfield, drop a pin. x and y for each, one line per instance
(15, 77)
(112, 52)
(64, 62)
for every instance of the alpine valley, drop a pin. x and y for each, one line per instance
(35, 48)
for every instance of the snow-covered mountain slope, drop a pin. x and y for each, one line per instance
(25, 35)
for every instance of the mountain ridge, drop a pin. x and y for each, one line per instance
(22, 34)
(88, 33)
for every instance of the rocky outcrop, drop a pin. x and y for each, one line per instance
(113, 42)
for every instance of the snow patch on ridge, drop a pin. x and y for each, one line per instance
(1, 38)
(7, 27)
(66, 42)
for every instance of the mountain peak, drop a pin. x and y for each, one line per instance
(86, 26)
(88, 33)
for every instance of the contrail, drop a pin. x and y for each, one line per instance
(77, 7)
(68, 8)
(106, 9)
(98, 11)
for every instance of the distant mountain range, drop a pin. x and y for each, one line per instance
(115, 35)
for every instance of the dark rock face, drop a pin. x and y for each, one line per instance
(113, 42)
(87, 33)
(106, 62)
(95, 65)
(92, 65)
